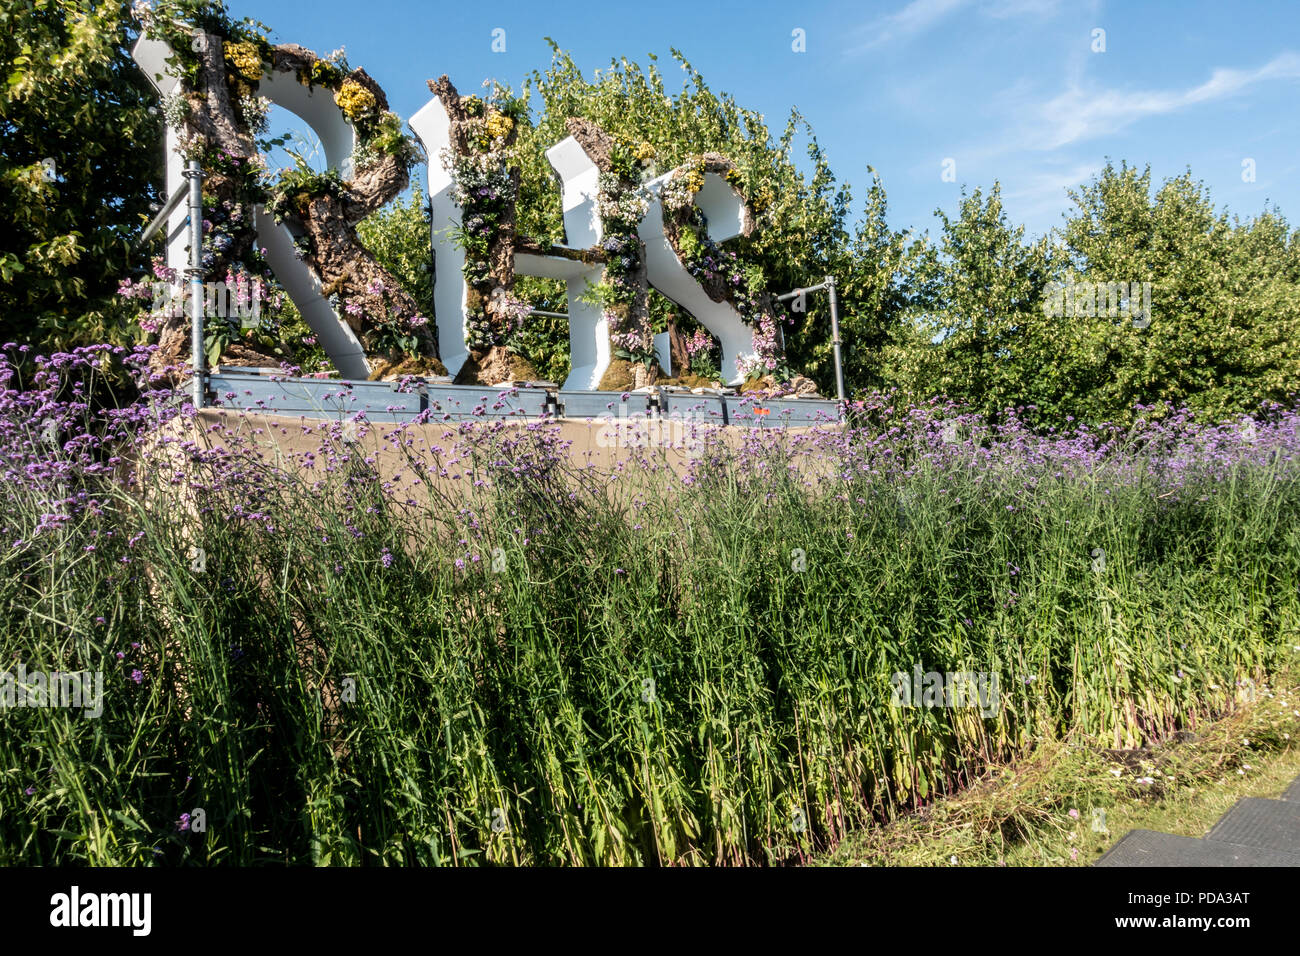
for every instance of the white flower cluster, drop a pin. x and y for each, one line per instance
(616, 204)
(478, 177)
(338, 59)
(175, 110)
(257, 113)
(678, 192)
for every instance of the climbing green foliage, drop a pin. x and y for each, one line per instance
(80, 160)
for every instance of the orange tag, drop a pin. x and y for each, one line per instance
(762, 411)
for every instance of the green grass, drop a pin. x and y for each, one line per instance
(509, 716)
(1019, 814)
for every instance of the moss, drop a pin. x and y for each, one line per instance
(763, 383)
(690, 380)
(490, 367)
(408, 365)
(523, 370)
(620, 376)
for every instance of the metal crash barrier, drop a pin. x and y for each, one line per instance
(442, 401)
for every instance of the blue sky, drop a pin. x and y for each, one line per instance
(1009, 90)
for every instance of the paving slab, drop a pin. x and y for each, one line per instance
(1267, 824)
(1148, 848)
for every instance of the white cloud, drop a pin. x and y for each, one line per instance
(920, 15)
(916, 17)
(1006, 9)
(1077, 115)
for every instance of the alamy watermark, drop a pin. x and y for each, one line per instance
(1131, 300)
(127, 910)
(946, 689)
(242, 301)
(682, 433)
(80, 690)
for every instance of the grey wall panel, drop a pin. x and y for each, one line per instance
(604, 404)
(778, 413)
(684, 405)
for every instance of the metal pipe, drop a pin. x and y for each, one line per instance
(829, 285)
(798, 292)
(554, 315)
(195, 175)
(835, 337)
(157, 222)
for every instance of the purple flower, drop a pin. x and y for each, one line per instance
(137, 676)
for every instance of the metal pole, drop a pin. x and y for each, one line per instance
(433, 263)
(161, 217)
(195, 175)
(835, 337)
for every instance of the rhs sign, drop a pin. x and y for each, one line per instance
(580, 263)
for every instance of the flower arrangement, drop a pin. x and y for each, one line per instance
(235, 181)
(245, 58)
(485, 180)
(354, 100)
(621, 203)
(724, 275)
(702, 351)
(498, 127)
(514, 310)
(329, 71)
(175, 110)
(256, 112)
(387, 323)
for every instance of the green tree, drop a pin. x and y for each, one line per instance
(80, 160)
(1224, 312)
(874, 280)
(977, 307)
